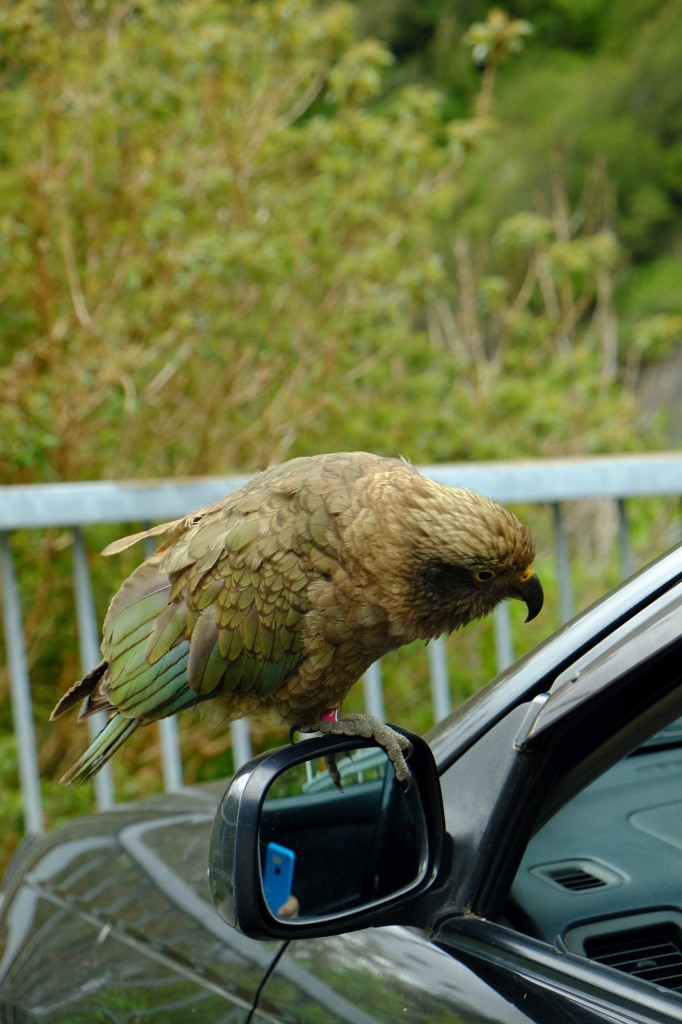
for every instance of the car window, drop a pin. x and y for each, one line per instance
(602, 877)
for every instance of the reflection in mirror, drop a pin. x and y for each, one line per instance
(327, 847)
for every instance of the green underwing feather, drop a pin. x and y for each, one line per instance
(211, 674)
(123, 618)
(169, 627)
(142, 686)
(113, 735)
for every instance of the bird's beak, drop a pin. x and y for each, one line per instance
(529, 590)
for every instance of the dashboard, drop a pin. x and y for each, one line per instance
(603, 877)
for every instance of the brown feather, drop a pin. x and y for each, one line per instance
(278, 597)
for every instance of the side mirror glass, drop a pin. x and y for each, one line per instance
(317, 835)
(325, 849)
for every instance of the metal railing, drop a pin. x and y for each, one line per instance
(77, 505)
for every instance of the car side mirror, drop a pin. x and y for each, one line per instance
(295, 853)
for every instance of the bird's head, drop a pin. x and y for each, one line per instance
(461, 555)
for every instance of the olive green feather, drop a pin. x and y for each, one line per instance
(275, 599)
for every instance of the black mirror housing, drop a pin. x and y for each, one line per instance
(360, 854)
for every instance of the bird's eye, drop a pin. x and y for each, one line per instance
(483, 575)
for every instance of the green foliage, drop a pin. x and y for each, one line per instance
(200, 251)
(653, 288)
(497, 37)
(657, 335)
(224, 244)
(569, 24)
(611, 100)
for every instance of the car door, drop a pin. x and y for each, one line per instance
(516, 802)
(380, 976)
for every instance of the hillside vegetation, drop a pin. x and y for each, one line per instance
(233, 233)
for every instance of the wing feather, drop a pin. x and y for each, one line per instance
(221, 607)
(169, 626)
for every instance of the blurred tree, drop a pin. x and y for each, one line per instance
(491, 42)
(205, 223)
(221, 243)
(598, 89)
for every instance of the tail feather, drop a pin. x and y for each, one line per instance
(113, 735)
(82, 690)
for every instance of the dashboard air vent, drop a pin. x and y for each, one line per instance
(577, 880)
(654, 954)
(577, 875)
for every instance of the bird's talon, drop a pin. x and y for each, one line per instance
(397, 747)
(333, 770)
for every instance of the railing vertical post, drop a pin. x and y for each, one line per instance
(504, 644)
(20, 689)
(440, 683)
(171, 762)
(563, 565)
(88, 641)
(241, 742)
(626, 564)
(374, 695)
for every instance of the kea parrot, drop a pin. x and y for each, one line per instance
(276, 599)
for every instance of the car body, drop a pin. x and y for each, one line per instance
(533, 872)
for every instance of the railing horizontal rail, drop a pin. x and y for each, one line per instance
(553, 480)
(29, 506)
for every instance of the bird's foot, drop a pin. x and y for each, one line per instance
(397, 747)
